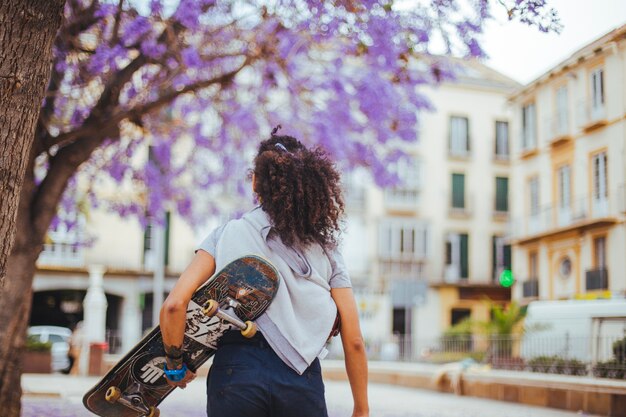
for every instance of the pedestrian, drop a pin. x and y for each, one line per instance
(76, 345)
(296, 227)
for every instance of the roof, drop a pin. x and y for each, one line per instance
(588, 51)
(472, 72)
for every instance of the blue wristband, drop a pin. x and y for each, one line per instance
(175, 375)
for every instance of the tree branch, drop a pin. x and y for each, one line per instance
(98, 115)
(171, 96)
(116, 25)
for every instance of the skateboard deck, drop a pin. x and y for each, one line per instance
(244, 288)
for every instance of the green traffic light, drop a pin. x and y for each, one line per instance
(506, 278)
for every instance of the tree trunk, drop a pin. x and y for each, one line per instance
(27, 31)
(16, 299)
(15, 305)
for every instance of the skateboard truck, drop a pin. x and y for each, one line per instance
(212, 309)
(132, 401)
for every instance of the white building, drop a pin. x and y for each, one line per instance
(436, 246)
(569, 170)
(422, 256)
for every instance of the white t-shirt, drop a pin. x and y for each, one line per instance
(298, 322)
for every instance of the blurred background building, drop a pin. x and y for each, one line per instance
(504, 177)
(569, 173)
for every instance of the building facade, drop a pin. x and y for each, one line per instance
(568, 225)
(422, 256)
(436, 246)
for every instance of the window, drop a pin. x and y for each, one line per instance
(564, 195)
(529, 127)
(407, 192)
(564, 174)
(561, 122)
(354, 190)
(459, 136)
(502, 194)
(502, 140)
(458, 191)
(534, 224)
(600, 189)
(149, 252)
(599, 252)
(64, 244)
(459, 314)
(533, 265)
(403, 239)
(600, 201)
(533, 186)
(501, 256)
(597, 90)
(457, 261)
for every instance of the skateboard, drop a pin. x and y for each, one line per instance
(234, 297)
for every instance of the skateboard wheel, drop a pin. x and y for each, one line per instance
(210, 308)
(154, 412)
(250, 330)
(113, 394)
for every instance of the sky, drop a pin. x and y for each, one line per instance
(523, 53)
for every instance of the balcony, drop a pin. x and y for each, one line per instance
(530, 288)
(591, 115)
(355, 198)
(402, 198)
(529, 143)
(557, 129)
(61, 254)
(64, 247)
(597, 279)
(462, 212)
(394, 268)
(582, 213)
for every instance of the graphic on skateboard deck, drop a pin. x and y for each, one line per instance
(236, 295)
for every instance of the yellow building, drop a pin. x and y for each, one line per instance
(568, 177)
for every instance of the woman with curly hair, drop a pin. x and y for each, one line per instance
(296, 226)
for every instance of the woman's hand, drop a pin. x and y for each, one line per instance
(189, 376)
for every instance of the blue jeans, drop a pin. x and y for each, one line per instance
(247, 379)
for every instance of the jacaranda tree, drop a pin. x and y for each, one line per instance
(201, 82)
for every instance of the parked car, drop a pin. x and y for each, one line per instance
(60, 339)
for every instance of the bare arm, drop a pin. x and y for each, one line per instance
(354, 349)
(173, 312)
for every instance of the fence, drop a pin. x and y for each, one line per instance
(569, 355)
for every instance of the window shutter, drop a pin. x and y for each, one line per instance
(464, 242)
(458, 190)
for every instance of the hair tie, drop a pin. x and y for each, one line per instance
(282, 147)
(275, 130)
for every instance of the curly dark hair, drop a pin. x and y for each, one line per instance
(300, 190)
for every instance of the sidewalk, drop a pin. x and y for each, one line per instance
(57, 385)
(590, 395)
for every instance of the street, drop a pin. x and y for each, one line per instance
(385, 401)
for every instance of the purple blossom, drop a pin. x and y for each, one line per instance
(343, 78)
(191, 58)
(152, 49)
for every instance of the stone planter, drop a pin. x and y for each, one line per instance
(36, 362)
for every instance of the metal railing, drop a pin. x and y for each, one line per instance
(402, 197)
(597, 279)
(557, 126)
(114, 341)
(603, 356)
(589, 112)
(530, 288)
(550, 217)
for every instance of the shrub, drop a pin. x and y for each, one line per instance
(557, 365)
(610, 369)
(34, 345)
(619, 350)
